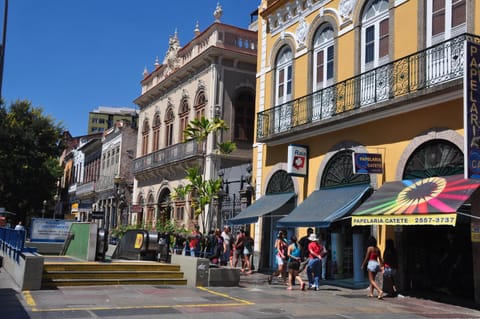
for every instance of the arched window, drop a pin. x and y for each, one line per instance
(164, 206)
(145, 133)
(434, 158)
(244, 106)
(156, 132)
(323, 57)
(445, 19)
(183, 114)
(169, 117)
(200, 104)
(283, 75)
(280, 182)
(150, 211)
(375, 34)
(339, 171)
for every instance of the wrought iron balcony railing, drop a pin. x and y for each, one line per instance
(168, 155)
(431, 67)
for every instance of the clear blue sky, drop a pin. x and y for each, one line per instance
(71, 56)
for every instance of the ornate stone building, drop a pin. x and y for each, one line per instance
(211, 76)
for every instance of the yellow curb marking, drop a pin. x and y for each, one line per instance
(29, 299)
(239, 302)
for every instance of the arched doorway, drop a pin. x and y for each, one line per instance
(437, 260)
(280, 182)
(338, 237)
(164, 207)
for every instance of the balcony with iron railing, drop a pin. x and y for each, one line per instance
(384, 85)
(85, 188)
(167, 156)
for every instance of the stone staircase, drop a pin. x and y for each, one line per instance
(57, 274)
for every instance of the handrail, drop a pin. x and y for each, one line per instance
(12, 242)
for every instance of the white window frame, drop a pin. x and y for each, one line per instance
(322, 101)
(283, 109)
(449, 32)
(374, 21)
(373, 85)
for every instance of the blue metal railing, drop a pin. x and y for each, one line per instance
(12, 242)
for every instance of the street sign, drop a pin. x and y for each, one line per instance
(97, 215)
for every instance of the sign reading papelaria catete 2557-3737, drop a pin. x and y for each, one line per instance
(297, 160)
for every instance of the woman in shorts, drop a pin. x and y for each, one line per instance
(294, 254)
(373, 261)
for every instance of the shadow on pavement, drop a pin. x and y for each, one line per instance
(11, 305)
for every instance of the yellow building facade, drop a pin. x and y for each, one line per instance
(346, 77)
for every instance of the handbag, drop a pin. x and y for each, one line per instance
(387, 272)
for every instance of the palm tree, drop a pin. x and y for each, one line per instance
(202, 191)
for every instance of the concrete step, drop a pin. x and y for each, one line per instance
(112, 273)
(98, 266)
(53, 283)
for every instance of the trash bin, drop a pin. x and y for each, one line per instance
(162, 249)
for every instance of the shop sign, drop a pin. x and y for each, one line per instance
(97, 215)
(471, 105)
(297, 160)
(367, 163)
(75, 207)
(136, 208)
(427, 219)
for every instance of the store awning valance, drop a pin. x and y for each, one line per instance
(263, 206)
(325, 206)
(429, 201)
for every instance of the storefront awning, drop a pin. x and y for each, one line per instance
(325, 206)
(265, 205)
(429, 201)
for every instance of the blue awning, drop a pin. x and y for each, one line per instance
(265, 205)
(325, 206)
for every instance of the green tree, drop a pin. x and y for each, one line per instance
(202, 192)
(30, 144)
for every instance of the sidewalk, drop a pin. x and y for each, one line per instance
(254, 298)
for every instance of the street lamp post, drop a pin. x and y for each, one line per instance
(117, 181)
(43, 209)
(55, 198)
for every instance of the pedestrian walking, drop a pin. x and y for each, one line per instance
(247, 252)
(294, 254)
(227, 245)
(373, 261)
(314, 262)
(390, 263)
(239, 245)
(281, 248)
(19, 226)
(194, 241)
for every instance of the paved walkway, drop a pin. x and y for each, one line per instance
(253, 299)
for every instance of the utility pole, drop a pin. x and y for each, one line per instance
(2, 47)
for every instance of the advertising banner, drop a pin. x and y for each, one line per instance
(49, 230)
(297, 160)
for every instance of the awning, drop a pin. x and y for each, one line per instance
(265, 205)
(325, 206)
(429, 201)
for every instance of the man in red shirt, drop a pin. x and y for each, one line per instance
(314, 262)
